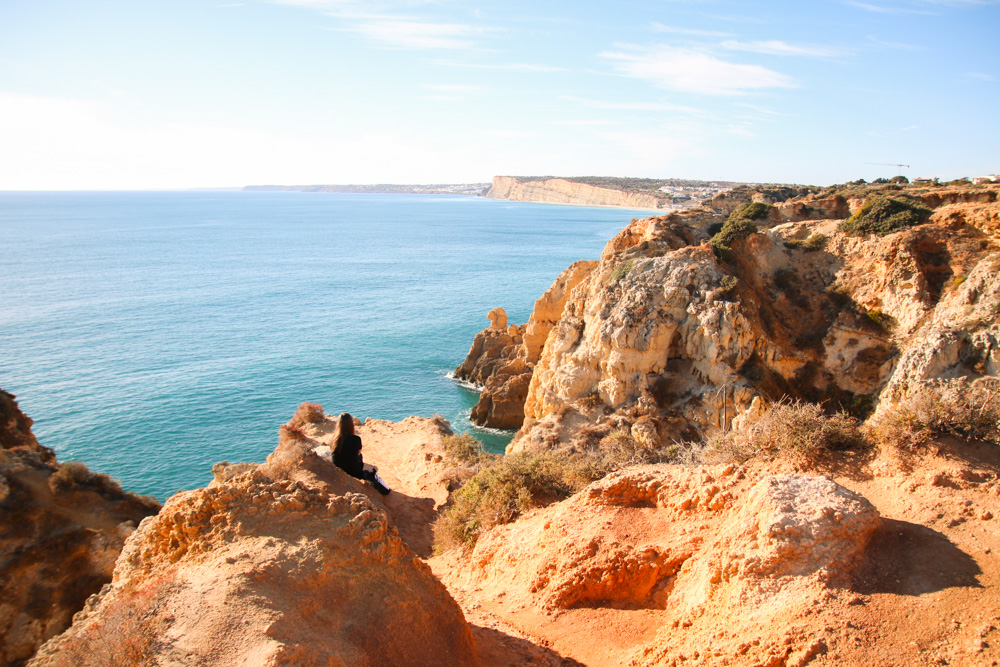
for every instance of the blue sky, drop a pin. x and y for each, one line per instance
(145, 94)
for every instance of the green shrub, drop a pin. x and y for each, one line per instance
(728, 284)
(882, 319)
(464, 449)
(734, 230)
(811, 244)
(884, 215)
(752, 211)
(510, 485)
(622, 270)
(899, 179)
(792, 427)
(500, 493)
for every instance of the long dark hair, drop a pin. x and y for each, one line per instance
(345, 429)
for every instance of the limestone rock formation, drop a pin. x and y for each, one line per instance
(561, 191)
(501, 360)
(886, 559)
(263, 572)
(61, 529)
(669, 332)
(678, 542)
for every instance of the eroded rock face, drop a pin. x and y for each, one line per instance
(502, 358)
(665, 333)
(262, 572)
(561, 191)
(687, 542)
(57, 547)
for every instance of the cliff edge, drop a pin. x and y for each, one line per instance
(61, 529)
(563, 191)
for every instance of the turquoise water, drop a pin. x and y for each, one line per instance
(153, 334)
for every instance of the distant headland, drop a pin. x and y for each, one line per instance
(613, 191)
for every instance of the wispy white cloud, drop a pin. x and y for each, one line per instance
(980, 76)
(688, 70)
(412, 34)
(631, 106)
(763, 110)
(776, 47)
(885, 9)
(393, 24)
(898, 46)
(659, 27)
(522, 67)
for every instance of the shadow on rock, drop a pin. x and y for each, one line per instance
(909, 559)
(499, 648)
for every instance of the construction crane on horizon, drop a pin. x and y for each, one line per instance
(891, 164)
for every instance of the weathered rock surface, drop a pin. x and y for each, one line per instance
(57, 547)
(885, 559)
(664, 332)
(502, 358)
(262, 572)
(561, 191)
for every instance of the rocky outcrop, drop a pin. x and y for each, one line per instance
(502, 358)
(669, 336)
(61, 529)
(888, 556)
(561, 191)
(258, 571)
(663, 547)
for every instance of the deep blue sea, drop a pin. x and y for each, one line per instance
(153, 334)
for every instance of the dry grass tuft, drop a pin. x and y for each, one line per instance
(289, 432)
(786, 427)
(125, 635)
(76, 476)
(307, 413)
(973, 412)
(464, 450)
(508, 486)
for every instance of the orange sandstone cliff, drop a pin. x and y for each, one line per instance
(669, 339)
(61, 529)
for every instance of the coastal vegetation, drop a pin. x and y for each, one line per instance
(914, 421)
(785, 427)
(884, 215)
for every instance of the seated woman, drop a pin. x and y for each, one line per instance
(347, 454)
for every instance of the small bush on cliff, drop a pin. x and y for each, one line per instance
(915, 420)
(464, 449)
(76, 476)
(307, 413)
(813, 243)
(739, 225)
(793, 427)
(501, 492)
(622, 270)
(752, 211)
(734, 230)
(884, 215)
(880, 318)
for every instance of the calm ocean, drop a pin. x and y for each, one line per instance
(153, 334)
